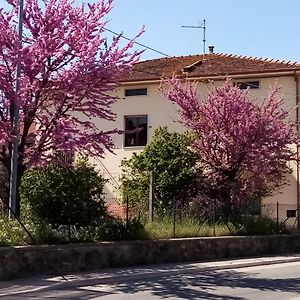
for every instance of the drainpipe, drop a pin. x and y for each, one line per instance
(297, 153)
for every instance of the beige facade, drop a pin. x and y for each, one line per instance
(161, 112)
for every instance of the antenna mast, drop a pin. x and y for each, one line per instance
(203, 26)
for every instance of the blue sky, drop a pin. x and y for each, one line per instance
(262, 28)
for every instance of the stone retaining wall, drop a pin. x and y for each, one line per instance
(62, 259)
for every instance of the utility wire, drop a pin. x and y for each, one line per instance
(140, 44)
(164, 54)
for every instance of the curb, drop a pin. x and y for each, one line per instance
(191, 268)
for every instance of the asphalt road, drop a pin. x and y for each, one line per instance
(278, 281)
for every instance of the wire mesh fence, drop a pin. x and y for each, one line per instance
(282, 214)
(287, 214)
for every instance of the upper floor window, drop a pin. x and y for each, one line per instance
(136, 92)
(137, 127)
(248, 84)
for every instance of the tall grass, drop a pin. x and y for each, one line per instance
(184, 227)
(11, 233)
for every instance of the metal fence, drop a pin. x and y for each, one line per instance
(287, 214)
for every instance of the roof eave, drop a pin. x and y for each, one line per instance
(262, 74)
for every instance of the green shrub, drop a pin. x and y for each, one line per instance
(60, 195)
(109, 229)
(11, 233)
(175, 170)
(113, 229)
(261, 225)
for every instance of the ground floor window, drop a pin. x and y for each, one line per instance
(136, 130)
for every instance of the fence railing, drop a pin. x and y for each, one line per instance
(282, 213)
(286, 214)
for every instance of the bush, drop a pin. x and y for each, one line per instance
(109, 229)
(174, 166)
(118, 230)
(12, 233)
(261, 225)
(60, 195)
(4, 187)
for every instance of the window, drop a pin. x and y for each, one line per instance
(137, 131)
(135, 92)
(248, 84)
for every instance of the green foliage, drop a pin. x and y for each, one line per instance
(261, 225)
(63, 195)
(117, 230)
(110, 229)
(174, 167)
(12, 233)
(184, 228)
(4, 187)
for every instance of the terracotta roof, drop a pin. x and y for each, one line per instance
(207, 65)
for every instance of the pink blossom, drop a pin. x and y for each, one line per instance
(67, 77)
(239, 141)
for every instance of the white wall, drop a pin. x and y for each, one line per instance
(162, 112)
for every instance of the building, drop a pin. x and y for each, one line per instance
(141, 104)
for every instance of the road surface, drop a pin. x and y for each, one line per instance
(276, 281)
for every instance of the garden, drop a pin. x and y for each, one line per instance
(208, 181)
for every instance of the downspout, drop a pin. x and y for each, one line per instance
(297, 153)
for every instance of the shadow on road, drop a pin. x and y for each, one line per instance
(201, 285)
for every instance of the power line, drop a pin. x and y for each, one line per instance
(137, 43)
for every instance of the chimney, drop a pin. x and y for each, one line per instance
(211, 49)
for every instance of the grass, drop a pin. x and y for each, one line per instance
(184, 228)
(189, 227)
(12, 234)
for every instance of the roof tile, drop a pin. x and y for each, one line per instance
(207, 65)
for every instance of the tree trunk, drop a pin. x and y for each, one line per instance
(21, 170)
(4, 187)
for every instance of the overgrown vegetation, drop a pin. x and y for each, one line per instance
(110, 229)
(184, 227)
(63, 204)
(11, 233)
(244, 146)
(174, 170)
(60, 195)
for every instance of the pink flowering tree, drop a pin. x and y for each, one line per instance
(67, 73)
(244, 146)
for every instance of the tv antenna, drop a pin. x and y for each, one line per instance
(203, 26)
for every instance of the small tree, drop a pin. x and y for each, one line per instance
(67, 73)
(244, 147)
(64, 195)
(174, 168)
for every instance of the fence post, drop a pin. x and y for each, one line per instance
(127, 210)
(151, 189)
(174, 218)
(214, 217)
(277, 216)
